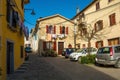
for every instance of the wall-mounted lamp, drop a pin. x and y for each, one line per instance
(33, 12)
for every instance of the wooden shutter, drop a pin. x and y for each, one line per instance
(60, 30)
(46, 28)
(95, 27)
(8, 11)
(44, 45)
(101, 24)
(97, 6)
(54, 29)
(112, 19)
(54, 47)
(96, 44)
(102, 43)
(66, 30)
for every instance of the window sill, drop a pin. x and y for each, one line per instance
(14, 29)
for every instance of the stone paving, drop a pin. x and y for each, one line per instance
(37, 69)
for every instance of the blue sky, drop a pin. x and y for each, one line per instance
(44, 8)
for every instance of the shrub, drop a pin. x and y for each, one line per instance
(89, 59)
(50, 53)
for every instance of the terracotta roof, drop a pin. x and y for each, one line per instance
(56, 15)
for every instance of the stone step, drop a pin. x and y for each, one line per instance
(20, 71)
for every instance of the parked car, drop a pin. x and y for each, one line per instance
(75, 56)
(109, 55)
(64, 51)
(68, 51)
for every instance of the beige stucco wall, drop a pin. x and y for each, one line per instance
(56, 21)
(92, 16)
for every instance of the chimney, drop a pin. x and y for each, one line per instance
(78, 10)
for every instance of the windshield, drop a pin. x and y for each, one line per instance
(80, 50)
(104, 50)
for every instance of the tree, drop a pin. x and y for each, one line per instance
(87, 32)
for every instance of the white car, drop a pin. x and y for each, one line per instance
(81, 52)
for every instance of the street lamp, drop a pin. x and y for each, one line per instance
(33, 12)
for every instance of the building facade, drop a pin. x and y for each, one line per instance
(54, 32)
(12, 32)
(102, 16)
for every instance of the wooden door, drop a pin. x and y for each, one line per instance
(60, 47)
(10, 58)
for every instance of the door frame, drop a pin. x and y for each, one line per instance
(58, 46)
(11, 57)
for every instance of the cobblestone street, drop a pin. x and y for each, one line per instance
(37, 69)
(50, 68)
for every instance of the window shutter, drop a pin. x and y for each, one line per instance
(66, 30)
(101, 24)
(95, 27)
(54, 46)
(97, 6)
(113, 19)
(102, 43)
(109, 42)
(46, 28)
(8, 11)
(44, 45)
(60, 30)
(96, 44)
(54, 29)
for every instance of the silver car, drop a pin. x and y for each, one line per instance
(109, 55)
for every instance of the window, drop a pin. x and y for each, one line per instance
(21, 50)
(99, 25)
(83, 31)
(114, 41)
(50, 29)
(35, 37)
(8, 10)
(63, 30)
(112, 19)
(83, 45)
(117, 49)
(12, 15)
(110, 0)
(99, 44)
(97, 6)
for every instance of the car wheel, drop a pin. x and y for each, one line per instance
(117, 65)
(79, 59)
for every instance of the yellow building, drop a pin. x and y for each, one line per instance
(11, 35)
